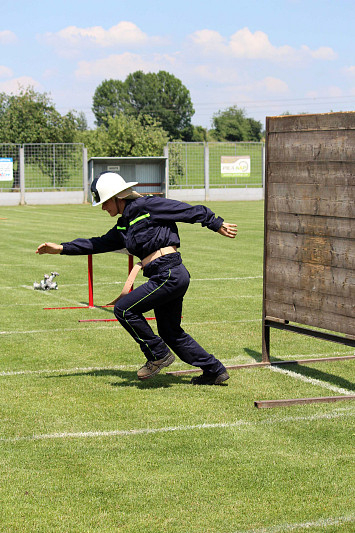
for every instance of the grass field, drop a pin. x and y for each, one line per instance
(85, 447)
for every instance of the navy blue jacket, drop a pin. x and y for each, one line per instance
(147, 224)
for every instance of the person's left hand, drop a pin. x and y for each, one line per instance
(228, 230)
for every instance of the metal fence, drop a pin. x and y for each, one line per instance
(58, 173)
(215, 165)
(42, 167)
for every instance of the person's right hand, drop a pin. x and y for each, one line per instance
(49, 248)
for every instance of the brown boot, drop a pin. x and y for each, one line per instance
(154, 367)
(210, 379)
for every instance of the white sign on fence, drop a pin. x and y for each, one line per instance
(235, 166)
(6, 169)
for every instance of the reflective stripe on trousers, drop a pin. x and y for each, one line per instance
(163, 292)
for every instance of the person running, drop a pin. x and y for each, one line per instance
(147, 229)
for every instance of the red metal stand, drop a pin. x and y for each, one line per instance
(91, 287)
(91, 295)
(90, 282)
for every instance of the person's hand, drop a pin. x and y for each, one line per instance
(49, 248)
(228, 230)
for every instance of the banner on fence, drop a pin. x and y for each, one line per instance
(6, 169)
(235, 166)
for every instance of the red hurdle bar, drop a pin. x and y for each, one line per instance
(91, 287)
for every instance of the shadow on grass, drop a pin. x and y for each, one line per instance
(128, 378)
(307, 371)
(105, 309)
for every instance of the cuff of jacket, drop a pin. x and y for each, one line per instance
(216, 224)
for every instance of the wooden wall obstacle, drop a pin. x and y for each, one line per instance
(309, 245)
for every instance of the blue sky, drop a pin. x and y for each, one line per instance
(266, 56)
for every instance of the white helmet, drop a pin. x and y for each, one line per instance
(110, 184)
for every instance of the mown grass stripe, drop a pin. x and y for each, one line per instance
(169, 429)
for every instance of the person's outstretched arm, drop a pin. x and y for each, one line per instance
(49, 248)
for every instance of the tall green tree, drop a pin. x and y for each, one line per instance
(31, 117)
(125, 136)
(109, 100)
(233, 125)
(160, 95)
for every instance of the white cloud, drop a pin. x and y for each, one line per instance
(244, 44)
(14, 85)
(324, 52)
(240, 80)
(209, 41)
(273, 85)
(120, 65)
(5, 72)
(122, 34)
(7, 37)
(349, 70)
(326, 93)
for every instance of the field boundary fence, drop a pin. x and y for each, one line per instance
(43, 173)
(58, 173)
(215, 170)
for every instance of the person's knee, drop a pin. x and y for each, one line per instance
(119, 311)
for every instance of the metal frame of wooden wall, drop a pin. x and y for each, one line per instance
(309, 244)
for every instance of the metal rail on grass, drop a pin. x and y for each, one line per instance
(271, 363)
(267, 404)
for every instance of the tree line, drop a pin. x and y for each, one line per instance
(134, 117)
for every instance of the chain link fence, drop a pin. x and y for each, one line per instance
(42, 167)
(53, 166)
(58, 173)
(217, 165)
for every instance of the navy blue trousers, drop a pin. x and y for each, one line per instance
(164, 293)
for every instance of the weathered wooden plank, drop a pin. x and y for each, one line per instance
(321, 250)
(311, 224)
(310, 317)
(312, 300)
(325, 173)
(313, 190)
(311, 146)
(311, 200)
(321, 121)
(310, 277)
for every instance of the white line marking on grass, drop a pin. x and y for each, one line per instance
(322, 522)
(41, 331)
(97, 283)
(238, 359)
(64, 370)
(146, 431)
(221, 322)
(35, 331)
(312, 381)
